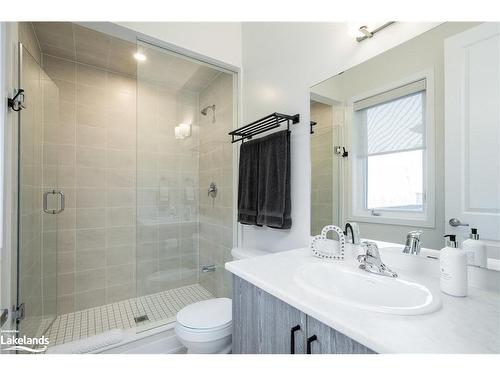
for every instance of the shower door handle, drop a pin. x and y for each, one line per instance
(62, 202)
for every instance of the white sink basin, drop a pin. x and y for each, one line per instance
(351, 286)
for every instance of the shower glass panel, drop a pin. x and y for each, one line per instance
(37, 167)
(185, 108)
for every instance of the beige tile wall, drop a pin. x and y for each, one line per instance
(105, 157)
(89, 152)
(216, 165)
(167, 180)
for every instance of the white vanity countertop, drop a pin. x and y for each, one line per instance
(462, 325)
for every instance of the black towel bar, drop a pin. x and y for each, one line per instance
(269, 122)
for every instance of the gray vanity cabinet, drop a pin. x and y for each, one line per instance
(263, 324)
(322, 339)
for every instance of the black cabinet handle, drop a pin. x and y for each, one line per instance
(309, 341)
(292, 338)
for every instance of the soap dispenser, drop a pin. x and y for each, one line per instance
(475, 249)
(453, 264)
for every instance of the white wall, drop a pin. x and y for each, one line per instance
(217, 40)
(281, 61)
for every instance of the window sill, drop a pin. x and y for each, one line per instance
(391, 220)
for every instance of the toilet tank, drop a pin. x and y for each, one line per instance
(246, 252)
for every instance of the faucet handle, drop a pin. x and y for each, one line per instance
(371, 261)
(415, 233)
(371, 249)
(413, 242)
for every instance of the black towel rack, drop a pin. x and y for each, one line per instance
(269, 122)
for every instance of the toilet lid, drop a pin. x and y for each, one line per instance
(207, 314)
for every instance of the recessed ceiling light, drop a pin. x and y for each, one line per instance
(139, 56)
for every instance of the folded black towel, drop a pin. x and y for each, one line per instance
(274, 202)
(248, 182)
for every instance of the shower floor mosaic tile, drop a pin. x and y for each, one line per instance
(160, 308)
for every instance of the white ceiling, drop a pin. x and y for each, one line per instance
(70, 41)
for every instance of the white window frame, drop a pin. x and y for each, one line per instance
(355, 189)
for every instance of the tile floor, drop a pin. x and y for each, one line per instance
(160, 308)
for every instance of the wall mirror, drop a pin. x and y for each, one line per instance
(410, 139)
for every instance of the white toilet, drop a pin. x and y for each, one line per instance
(206, 327)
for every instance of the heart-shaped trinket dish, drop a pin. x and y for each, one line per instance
(322, 247)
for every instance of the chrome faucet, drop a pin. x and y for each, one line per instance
(371, 261)
(354, 232)
(413, 242)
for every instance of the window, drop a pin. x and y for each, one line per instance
(390, 153)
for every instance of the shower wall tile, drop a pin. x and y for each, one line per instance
(87, 135)
(90, 259)
(66, 303)
(90, 280)
(119, 255)
(66, 240)
(91, 298)
(167, 193)
(91, 116)
(90, 239)
(59, 69)
(322, 165)
(90, 177)
(66, 262)
(66, 284)
(216, 165)
(90, 76)
(120, 197)
(108, 158)
(90, 153)
(90, 197)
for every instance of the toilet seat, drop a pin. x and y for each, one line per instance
(206, 335)
(209, 315)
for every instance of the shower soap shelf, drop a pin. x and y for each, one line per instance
(269, 122)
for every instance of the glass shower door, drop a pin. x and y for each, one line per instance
(39, 201)
(167, 180)
(184, 183)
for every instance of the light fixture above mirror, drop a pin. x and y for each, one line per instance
(366, 30)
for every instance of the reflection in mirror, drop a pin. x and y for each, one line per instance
(421, 126)
(325, 192)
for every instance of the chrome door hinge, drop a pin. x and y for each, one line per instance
(19, 313)
(17, 101)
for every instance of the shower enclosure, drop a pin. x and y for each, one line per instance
(125, 182)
